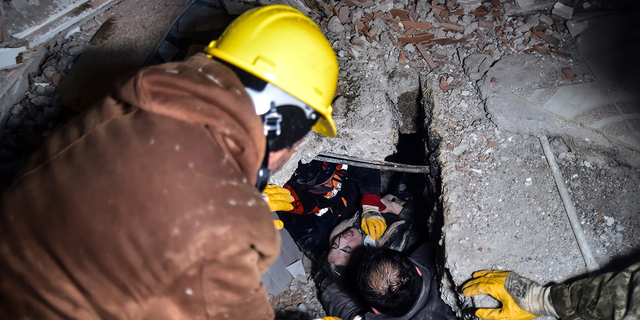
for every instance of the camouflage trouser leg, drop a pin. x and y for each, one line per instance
(610, 296)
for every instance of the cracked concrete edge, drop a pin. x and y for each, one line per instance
(17, 83)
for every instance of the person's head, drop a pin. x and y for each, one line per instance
(315, 176)
(389, 282)
(344, 246)
(290, 71)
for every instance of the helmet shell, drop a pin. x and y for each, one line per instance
(280, 45)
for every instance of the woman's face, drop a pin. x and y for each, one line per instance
(344, 245)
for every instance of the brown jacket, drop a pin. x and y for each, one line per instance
(144, 207)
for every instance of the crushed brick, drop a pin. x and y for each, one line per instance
(461, 169)
(426, 56)
(377, 14)
(494, 80)
(445, 41)
(410, 31)
(452, 27)
(561, 53)
(568, 74)
(479, 12)
(549, 39)
(405, 40)
(560, 27)
(402, 14)
(415, 24)
(482, 23)
(401, 58)
(489, 52)
(497, 4)
(542, 49)
(413, 14)
(527, 50)
(458, 12)
(496, 13)
(440, 56)
(492, 144)
(55, 78)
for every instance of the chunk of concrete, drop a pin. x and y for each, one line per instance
(524, 3)
(546, 19)
(575, 27)
(9, 56)
(561, 10)
(335, 25)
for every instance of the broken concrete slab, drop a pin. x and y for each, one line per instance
(37, 22)
(562, 10)
(10, 57)
(576, 27)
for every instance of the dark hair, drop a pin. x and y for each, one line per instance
(294, 124)
(388, 281)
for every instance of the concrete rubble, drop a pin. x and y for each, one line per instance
(477, 75)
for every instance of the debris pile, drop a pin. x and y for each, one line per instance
(40, 112)
(437, 36)
(298, 302)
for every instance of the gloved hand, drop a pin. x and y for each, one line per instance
(278, 224)
(328, 318)
(522, 298)
(372, 223)
(279, 199)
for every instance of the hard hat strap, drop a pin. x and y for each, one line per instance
(272, 121)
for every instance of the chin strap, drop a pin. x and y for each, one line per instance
(270, 122)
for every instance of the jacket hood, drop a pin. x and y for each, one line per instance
(203, 91)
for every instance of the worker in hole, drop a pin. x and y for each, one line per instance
(608, 296)
(321, 195)
(345, 296)
(389, 285)
(145, 205)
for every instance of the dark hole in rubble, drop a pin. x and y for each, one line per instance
(416, 146)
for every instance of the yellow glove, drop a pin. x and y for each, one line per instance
(522, 299)
(372, 223)
(328, 318)
(278, 224)
(279, 199)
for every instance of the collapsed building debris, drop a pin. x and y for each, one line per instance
(455, 61)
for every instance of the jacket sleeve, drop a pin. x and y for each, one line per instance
(338, 303)
(369, 183)
(610, 296)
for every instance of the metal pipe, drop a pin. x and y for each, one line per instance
(380, 165)
(592, 265)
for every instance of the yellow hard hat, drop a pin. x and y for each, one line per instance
(280, 45)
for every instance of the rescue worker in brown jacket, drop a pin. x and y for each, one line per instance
(145, 205)
(609, 296)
